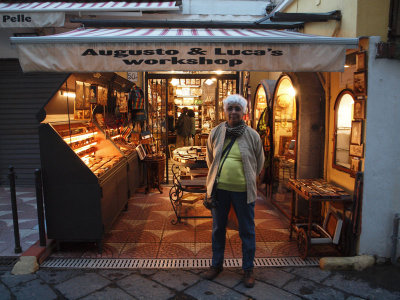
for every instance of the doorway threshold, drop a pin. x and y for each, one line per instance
(131, 263)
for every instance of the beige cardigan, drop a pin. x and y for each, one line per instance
(250, 147)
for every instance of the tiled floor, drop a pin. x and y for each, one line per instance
(28, 228)
(145, 231)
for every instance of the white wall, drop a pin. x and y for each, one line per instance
(6, 50)
(224, 7)
(382, 158)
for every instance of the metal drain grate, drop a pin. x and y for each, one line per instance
(120, 263)
(7, 262)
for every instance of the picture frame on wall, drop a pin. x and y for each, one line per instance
(357, 150)
(359, 83)
(359, 109)
(360, 61)
(356, 132)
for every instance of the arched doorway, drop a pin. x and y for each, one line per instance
(284, 132)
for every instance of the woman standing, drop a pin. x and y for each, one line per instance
(234, 175)
(191, 114)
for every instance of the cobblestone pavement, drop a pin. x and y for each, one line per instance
(271, 283)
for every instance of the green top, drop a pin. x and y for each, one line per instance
(232, 174)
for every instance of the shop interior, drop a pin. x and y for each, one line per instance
(107, 124)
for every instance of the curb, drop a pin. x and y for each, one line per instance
(29, 261)
(357, 263)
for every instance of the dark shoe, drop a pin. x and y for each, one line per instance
(212, 272)
(248, 278)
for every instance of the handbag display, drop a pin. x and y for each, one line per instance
(211, 202)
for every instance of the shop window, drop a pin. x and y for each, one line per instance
(343, 118)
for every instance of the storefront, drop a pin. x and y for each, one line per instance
(179, 68)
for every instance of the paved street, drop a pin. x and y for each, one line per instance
(379, 282)
(271, 283)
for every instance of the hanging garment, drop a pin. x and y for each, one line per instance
(136, 98)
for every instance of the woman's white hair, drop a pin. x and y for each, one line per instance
(235, 99)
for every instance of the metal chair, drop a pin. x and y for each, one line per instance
(185, 191)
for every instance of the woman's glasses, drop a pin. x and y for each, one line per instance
(234, 108)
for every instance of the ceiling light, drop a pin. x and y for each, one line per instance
(209, 81)
(68, 94)
(174, 81)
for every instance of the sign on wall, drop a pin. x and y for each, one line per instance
(27, 19)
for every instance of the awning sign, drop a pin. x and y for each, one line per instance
(27, 19)
(181, 49)
(180, 57)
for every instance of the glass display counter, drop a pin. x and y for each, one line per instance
(84, 181)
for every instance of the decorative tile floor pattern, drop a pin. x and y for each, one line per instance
(28, 224)
(145, 231)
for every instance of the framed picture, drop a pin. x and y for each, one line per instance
(79, 101)
(357, 150)
(359, 84)
(86, 95)
(93, 94)
(359, 109)
(284, 142)
(360, 61)
(355, 166)
(356, 132)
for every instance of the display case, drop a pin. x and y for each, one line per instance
(118, 136)
(84, 181)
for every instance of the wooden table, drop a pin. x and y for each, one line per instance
(155, 166)
(314, 190)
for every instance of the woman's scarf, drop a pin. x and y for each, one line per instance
(235, 131)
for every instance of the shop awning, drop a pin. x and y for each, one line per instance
(25, 7)
(163, 49)
(52, 14)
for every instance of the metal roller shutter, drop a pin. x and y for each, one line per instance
(21, 98)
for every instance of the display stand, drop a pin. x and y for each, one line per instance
(316, 190)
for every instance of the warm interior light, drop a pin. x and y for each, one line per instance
(346, 66)
(174, 81)
(219, 72)
(292, 91)
(209, 81)
(116, 136)
(68, 94)
(78, 138)
(84, 148)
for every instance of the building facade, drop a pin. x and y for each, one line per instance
(318, 98)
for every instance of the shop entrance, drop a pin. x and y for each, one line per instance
(145, 229)
(199, 92)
